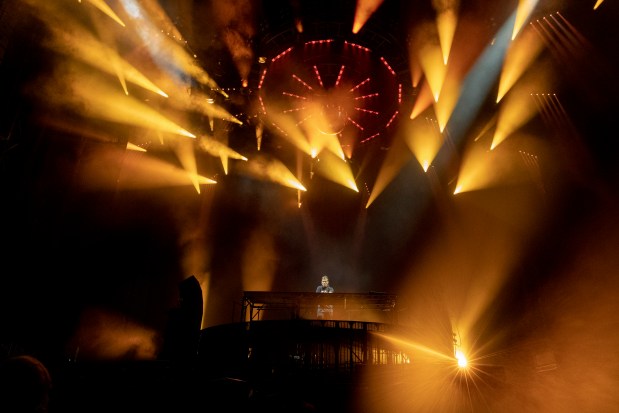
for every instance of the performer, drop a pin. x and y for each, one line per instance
(325, 311)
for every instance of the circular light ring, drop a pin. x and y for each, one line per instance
(331, 87)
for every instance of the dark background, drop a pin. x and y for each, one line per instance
(94, 271)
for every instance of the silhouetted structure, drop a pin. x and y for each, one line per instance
(183, 331)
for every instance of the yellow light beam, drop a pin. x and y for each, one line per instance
(101, 5)
(525, 8)
(446, 22)
(433, 68)
(516, 109)
(363, 11)
(336, 170)
(80, 45)
(394, 161)
(424, 140)
(521, 53)
(272, 170)
(95, 99)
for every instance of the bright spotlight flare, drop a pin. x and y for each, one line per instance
(461, 358)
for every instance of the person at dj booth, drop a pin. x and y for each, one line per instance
(326, 310)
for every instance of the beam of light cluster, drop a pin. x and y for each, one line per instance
(363, 11)
(598, 3)
(215, 148)
(81, 46)
(476, 85)
(520, 55)
(157, 14)
(271, 170)
(446, 22)
(170, 56)
(335, 169)
(95, 99)
(516, 109)
(286, 127)
(523, 12)
(424, 140)
(320, 141)
(71, 38)
(107, 10)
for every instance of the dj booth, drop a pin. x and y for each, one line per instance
(269, 305)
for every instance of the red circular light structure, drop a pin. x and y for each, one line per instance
(333, 88)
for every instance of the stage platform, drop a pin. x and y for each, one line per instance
(364, 307)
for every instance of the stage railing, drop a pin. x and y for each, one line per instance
(269, 305)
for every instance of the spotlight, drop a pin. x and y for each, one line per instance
(461, 358)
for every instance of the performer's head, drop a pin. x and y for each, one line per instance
(325, 281)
